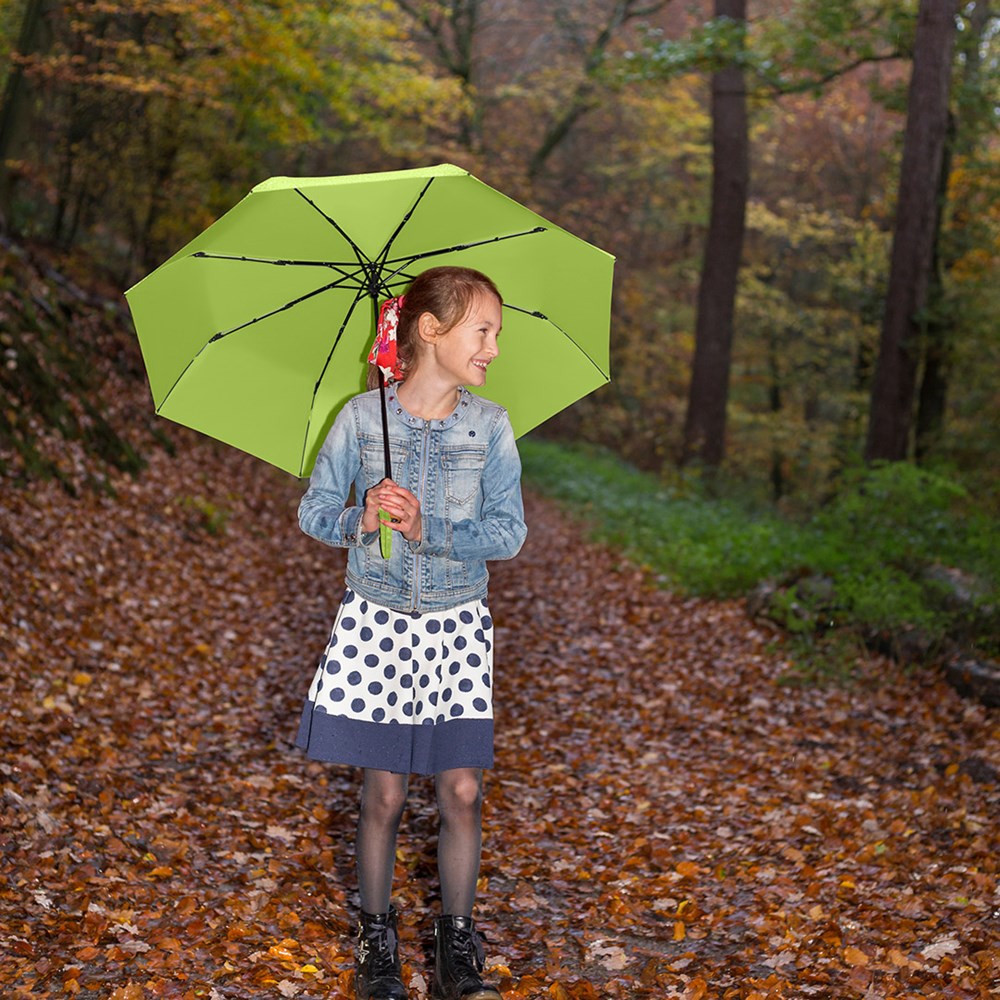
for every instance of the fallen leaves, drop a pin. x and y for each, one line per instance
(664, 821)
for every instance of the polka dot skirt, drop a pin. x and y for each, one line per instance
(403, 691)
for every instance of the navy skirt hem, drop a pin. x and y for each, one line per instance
(403, 749)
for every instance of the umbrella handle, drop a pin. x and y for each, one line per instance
(384, 533)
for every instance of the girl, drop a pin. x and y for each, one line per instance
(405, 684)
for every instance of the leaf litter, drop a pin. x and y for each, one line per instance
(664, 820)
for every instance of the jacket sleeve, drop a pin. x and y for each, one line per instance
(323, 513)
(500, 531)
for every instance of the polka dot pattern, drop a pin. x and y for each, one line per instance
(406, 668)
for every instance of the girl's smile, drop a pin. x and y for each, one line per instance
(465, 352)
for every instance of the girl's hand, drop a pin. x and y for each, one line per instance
(399, 503)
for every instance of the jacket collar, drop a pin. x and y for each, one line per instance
(402, 415)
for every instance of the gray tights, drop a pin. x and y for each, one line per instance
(383, 798)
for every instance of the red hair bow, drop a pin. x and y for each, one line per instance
(383, 352)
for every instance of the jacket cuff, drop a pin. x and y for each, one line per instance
(435, 537)
(356, 535)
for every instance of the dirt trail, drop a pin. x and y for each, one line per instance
(664, 820)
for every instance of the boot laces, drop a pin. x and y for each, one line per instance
(468, 947)
(380, 943)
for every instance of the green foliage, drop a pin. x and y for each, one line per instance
(708, 47)
(695, 544)
(193, 103)
(148, 121)
(809, 44)
(899, 552)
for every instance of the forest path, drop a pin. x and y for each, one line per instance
(665, 819)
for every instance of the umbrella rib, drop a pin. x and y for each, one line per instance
(406, 261)
(250, 322)
(363, 260)
(326, 364)
(540, 315)
(340, 266)
(383, 254)
(274, 312)
(371, 269)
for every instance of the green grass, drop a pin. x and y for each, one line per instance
(694, 545)
(867, 566)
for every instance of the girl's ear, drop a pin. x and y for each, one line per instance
(428, 327)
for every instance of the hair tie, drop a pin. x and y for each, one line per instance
(383, 352)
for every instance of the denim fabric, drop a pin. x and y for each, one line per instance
(467, 473)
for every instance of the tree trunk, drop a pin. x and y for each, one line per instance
(891, 411)
(15, 105)
(937, 334)
(961, 141)
(708, 393)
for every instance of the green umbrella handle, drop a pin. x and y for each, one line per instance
(384, 533)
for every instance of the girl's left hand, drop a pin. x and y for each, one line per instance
(401, 504)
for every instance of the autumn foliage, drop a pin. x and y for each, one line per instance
(665, 819)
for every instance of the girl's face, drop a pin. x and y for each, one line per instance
(463, 353)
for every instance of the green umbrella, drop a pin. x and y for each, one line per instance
(258, 331)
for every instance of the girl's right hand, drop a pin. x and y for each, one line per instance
(401, 505)
(370, 518)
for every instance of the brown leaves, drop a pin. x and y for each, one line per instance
(663, 821)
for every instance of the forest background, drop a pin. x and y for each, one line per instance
(742, 160)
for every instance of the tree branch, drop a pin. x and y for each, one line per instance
(582, 99)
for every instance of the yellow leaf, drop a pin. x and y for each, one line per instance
(679, 930)
(82, 679)
(308, 968)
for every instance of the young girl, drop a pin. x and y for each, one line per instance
(405, 685)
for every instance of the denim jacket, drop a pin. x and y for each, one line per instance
(465, 470)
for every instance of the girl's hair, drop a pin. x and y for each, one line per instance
(447, 293)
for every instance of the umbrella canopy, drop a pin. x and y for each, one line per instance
(257, 332)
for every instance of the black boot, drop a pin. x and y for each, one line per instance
(458, 960)
(377, 975)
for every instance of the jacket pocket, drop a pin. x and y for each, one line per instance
(463, 472)
(373, 462)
